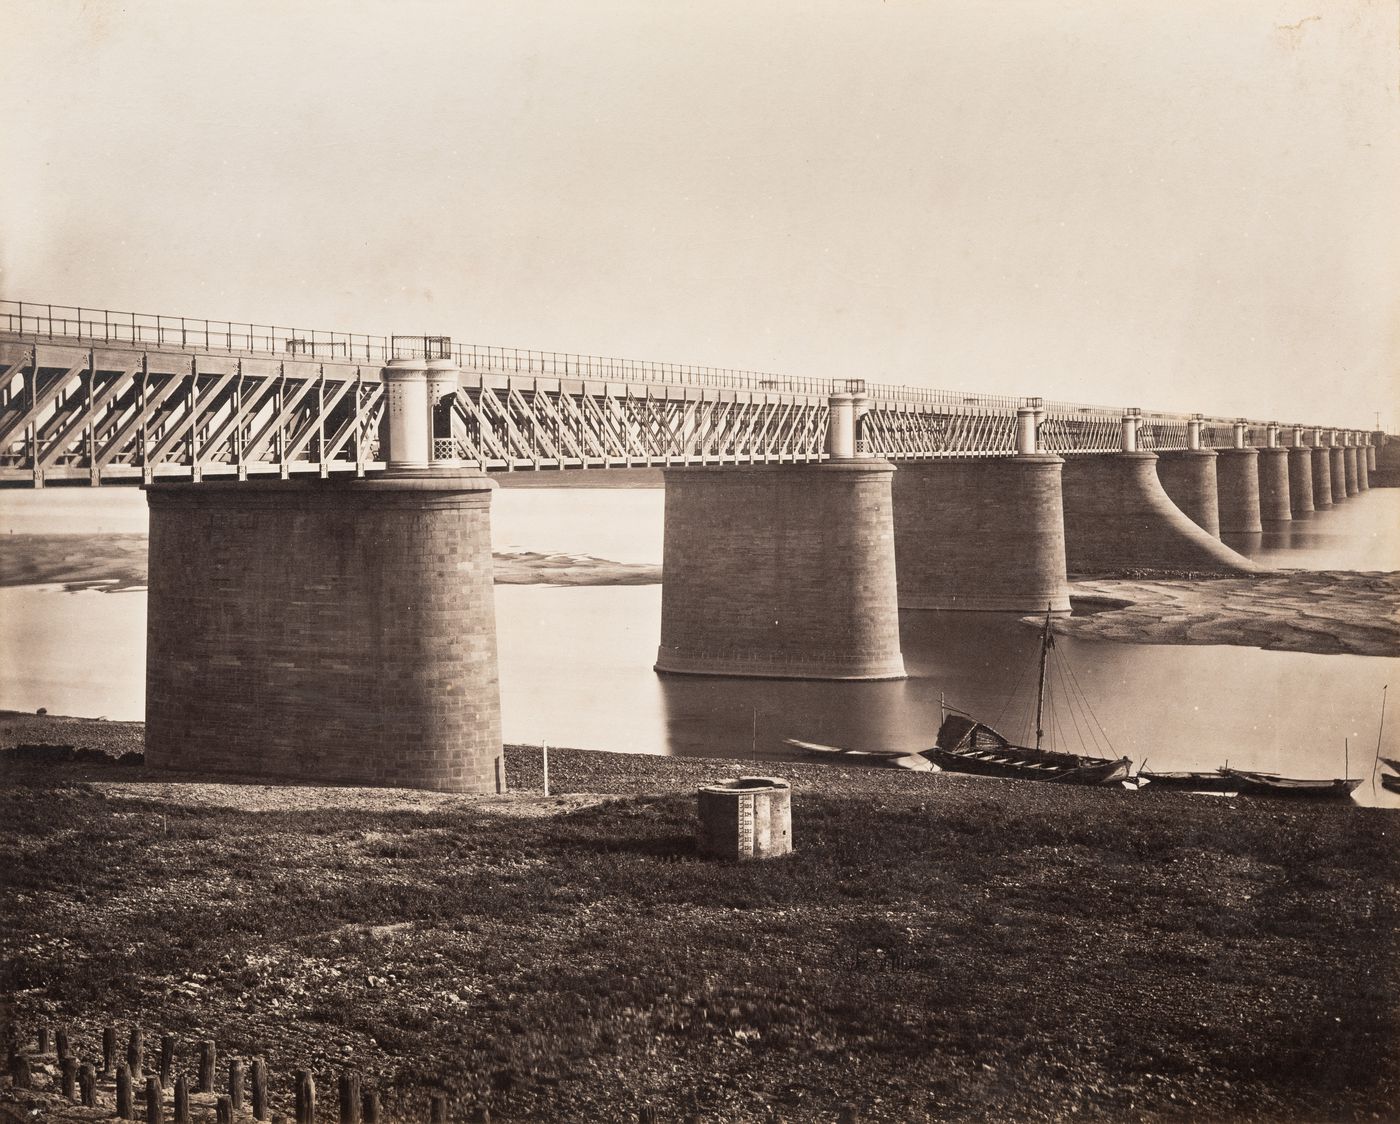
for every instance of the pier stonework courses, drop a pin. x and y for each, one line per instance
(1118, 517)
(1188, 477)
(1322, 478)
(1300, 481)
(981, 534)
(1237, 482)
(1338, 472)
(1275, 491)
(325, 630)
(1352, 469)
(784, 571)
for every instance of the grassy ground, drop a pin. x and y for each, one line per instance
(937, 948)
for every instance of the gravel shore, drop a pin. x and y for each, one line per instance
(937, 947)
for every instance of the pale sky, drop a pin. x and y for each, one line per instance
(1176, 204)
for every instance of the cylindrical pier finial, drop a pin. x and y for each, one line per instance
(841, 426)
(1239, 433)
(1026, 441)
(1271, 435)
(1193, 432)
(1131, 418)
(406, 387)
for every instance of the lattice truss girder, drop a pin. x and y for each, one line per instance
(127, 414)
(528, 426)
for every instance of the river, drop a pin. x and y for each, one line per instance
(576, 662)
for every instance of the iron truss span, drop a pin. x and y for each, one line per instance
(107, 397)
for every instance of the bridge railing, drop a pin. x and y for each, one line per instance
(68, 322)
(52, 321)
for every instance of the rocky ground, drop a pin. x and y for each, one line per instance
(937, 948)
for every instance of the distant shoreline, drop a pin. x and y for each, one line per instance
(1326, 612)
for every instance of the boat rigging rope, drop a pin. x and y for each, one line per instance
(1059, 670)
(1075, 680)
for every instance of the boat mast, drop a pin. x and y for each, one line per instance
(1040, 697)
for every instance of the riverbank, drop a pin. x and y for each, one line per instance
(938, 947)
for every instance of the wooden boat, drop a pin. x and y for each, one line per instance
(1390, 782)
(1272, 784)
(1186, 781)
(892, 758)
(965, 745)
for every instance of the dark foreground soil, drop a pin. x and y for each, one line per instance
(938, 948)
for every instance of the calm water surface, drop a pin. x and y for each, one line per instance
(576, 662)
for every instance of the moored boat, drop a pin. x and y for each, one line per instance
(1185, 781)
(1272, 784)
(965, 745)
(892, 758)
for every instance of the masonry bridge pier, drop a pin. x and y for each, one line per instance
(321, 599)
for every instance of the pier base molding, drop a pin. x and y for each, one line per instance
(1189, 478)
(1237, 483)
(1300, 481)
(1117, 517)
(981, 534)
(781, 571)
(325, 631)
(1275, 493)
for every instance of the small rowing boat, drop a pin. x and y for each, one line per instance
(1272, 784)
(892, 758)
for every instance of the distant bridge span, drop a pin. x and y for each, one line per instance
(110, 397)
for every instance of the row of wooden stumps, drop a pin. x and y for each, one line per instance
(245, 1092)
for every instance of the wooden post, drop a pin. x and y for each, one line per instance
(155, 1101)
(437, 1110)
(305, 1097)
(206, 1065)
(124, 1105)
(61, 1045)
(43, 1040)
(235, 1084)
(223, 1111)
(109, 1050)
(182, 1099)
(259, 1076)
(370, 1104)
(647, 1115)
(87, 1085)
(69, 1077)
(349, 1098)
(20, 1076)
(544, 756)
(167, 1059)
(135, 1054)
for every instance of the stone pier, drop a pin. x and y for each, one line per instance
(1188, 477)
(1351, 469)
(983, 534)
(1300, 480)
(1321, 472)
(329, 630)
(1118, 517)
(1275, 493)
(782, 571)
(1338, 467)
(1237, 476)
(1363, 465)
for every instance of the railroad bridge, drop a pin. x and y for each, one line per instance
(320, 552)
